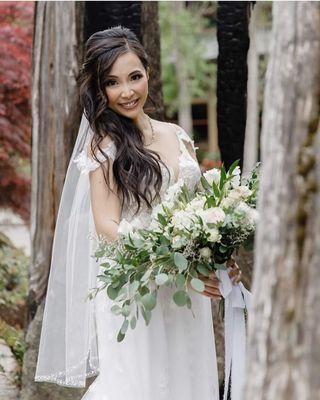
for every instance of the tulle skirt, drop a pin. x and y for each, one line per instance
(174, 358)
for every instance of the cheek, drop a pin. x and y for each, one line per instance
(143, 86)
(111, 96)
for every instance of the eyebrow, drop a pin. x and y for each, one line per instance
(131, 73)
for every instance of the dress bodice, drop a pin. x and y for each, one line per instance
(189, 173)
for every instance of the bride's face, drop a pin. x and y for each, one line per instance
(127, 86)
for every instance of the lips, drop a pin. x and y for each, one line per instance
(129, 105)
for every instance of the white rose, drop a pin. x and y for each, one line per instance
(205, 252)
(213, 215)
(182, 219)
(227, 202)
(196, 204)
(244, 191)
(214, 235)
(212, 175)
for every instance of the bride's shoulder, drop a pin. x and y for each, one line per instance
(167, 127)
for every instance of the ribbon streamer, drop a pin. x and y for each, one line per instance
(237, 299)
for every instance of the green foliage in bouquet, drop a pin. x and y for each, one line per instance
(190, 235)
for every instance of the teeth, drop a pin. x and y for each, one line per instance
(129, 104)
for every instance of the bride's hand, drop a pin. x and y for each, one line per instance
(212, 282)
(234, 271)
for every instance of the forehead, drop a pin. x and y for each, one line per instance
(125, 64)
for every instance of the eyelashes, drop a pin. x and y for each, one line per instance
(134, 77)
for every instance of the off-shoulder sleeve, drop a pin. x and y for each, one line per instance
(184, 136)
(86, 163)
(188, 143)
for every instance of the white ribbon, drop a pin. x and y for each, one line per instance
(237, 298)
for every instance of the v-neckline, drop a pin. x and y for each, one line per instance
(171, 169)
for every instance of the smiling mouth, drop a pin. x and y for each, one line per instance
(129, 105)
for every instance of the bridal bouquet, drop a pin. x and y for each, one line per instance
(190, 234)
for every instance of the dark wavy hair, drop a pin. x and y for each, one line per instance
(136, 169)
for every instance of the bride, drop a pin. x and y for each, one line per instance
(121, 166)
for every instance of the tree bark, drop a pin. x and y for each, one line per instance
(233, 41)
(284, 329)
(251, 144)
(150, 36)
(57, 53)
(180, 65)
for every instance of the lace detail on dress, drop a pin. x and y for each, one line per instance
(184, 136)
(87, 164)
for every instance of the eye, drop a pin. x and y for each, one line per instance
(111, 82)
(136, 77)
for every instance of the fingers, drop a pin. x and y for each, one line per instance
(234, 273)
(212, 293)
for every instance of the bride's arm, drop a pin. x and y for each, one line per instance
(106, 205)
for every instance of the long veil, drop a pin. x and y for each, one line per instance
(68, 351)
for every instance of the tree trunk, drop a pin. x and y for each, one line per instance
(57, 53)
(284, 329)
(150, 34)
(252, 125)
(233, 41)
(180, 65)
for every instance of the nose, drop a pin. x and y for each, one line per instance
(127, 92)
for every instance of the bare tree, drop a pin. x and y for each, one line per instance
(284, 330)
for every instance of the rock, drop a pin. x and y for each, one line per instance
(9, 370)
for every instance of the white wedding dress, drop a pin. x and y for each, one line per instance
(173, 358)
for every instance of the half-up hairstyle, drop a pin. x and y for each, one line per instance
(136, 170)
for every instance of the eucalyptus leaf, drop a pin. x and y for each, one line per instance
(180, 281)
(202, 269)
(133, 322)
(197, 284)
(112, 292)
(125, 310)
(116, 309)
(180, 261)
(120, 336)
(124, 326)
(161, 279)
(149, 301)
(146, 315)
(180, 298)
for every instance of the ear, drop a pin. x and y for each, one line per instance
(148, 72)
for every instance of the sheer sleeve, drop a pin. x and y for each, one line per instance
(86, 163)
(188, 142)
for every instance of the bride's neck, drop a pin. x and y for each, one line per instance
(142, 122)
